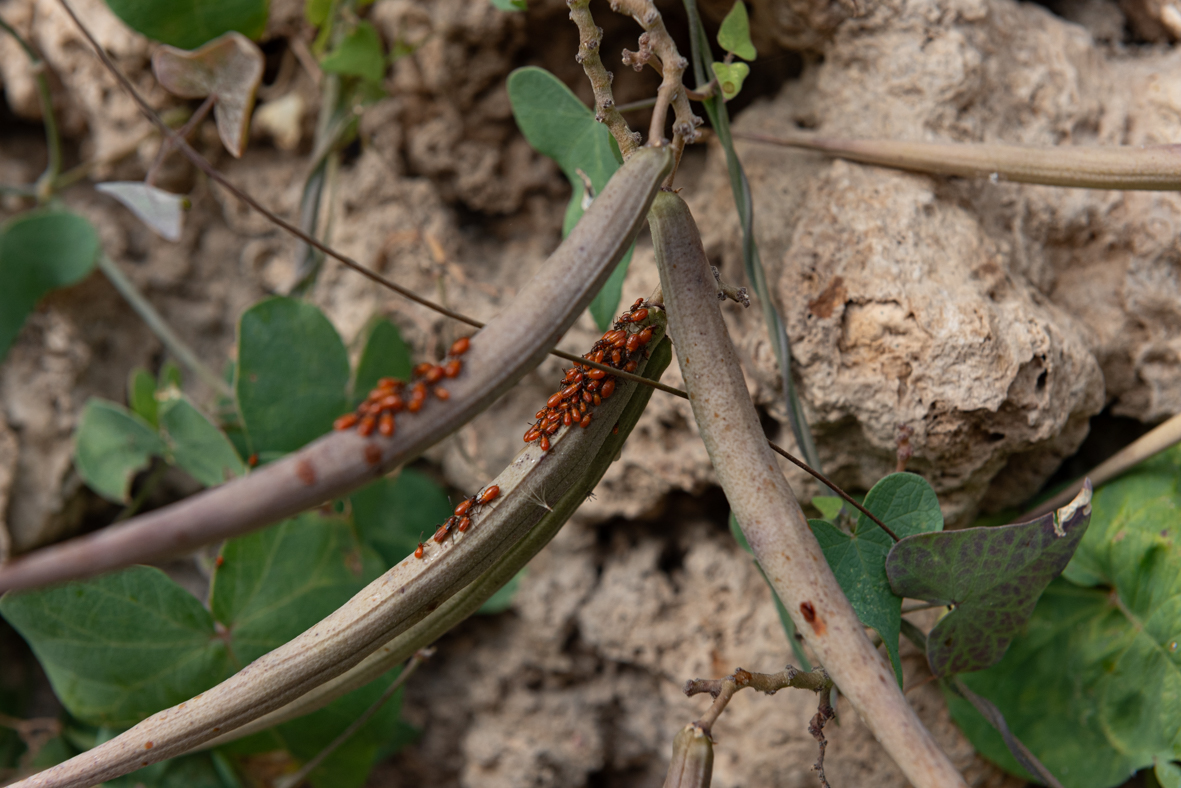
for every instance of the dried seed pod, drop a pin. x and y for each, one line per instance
(692, 763)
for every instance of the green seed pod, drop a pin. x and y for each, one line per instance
(693, 759)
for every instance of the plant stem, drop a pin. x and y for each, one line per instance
(175, 345)
(753, 265)
(590, 38)
(45, 184)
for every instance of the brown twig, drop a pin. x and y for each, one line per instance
(658, 44)
(723, 689)
(824, 713)
(590, 38)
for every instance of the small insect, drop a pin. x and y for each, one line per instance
(252, 460)
(220, 560)
(452, 368)
(442, 393)
(385, 424)
(345, 421)
(808, 611)
(460, 346)
(367, 425)
(464, 524)
(464, 506)
(418, 552)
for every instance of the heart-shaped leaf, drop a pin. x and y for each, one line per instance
(734, 34)
(162, 211)
(120, 647)
(230, 68)
(560, 126)
(730, 77)
(991, 576)
(907, 505)
(1093, 684)
(39, 251)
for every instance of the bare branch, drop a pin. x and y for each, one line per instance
(672, 68)
(590, 38)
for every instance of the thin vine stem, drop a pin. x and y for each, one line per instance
(45, 183)
(176, 346)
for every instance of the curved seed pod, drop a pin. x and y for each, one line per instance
(469, 600)
(692, 765)
(765, 506)
(512, 343)
(387, 607)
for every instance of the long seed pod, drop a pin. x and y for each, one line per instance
(387, 607)
(765, 506)
(512, 343)
(1143, 167)
(469, 600)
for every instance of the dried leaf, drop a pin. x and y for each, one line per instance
(229, 67)
(162, 211)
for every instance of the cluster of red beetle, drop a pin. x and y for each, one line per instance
(585, 386)
(461, 520)
(378, 409)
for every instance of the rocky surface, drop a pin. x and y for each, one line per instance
(991, 319)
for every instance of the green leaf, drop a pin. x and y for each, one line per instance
(359, 54)
(907, 505)
(789, 626)
(111, 446)
(560, 126)
(730, 77)
(993, 578)
(1167, 773)
(829, 505)
(161, 211)
(141, 395)
(734, 34)
(393, 514)
(384, 355)
(188, 24)
(1092, 686)
(120, 647)
(317, 11)
(510, 5)
(275, 583)
(292, 373)
(197, 446)
(39, 251)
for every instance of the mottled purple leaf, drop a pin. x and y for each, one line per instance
(992, 577)
(230, 68)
